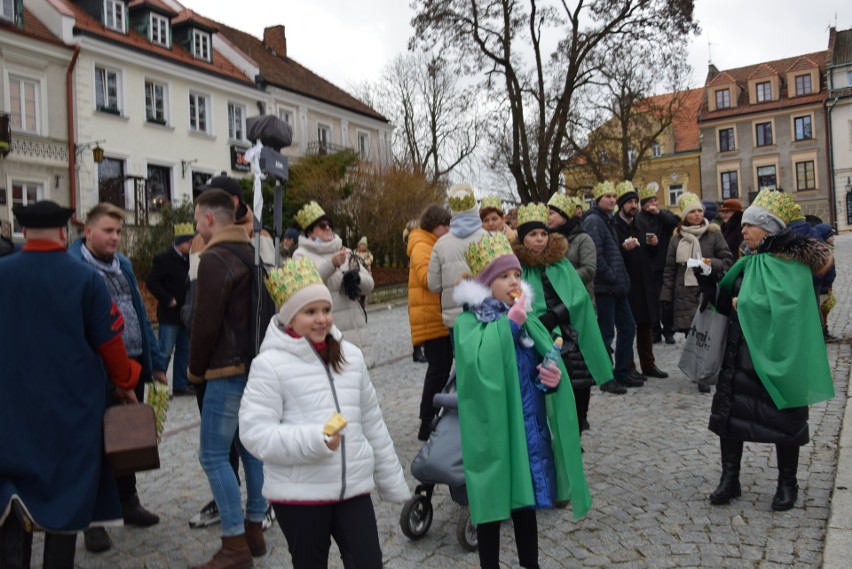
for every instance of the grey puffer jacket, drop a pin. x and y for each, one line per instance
(611, 278)
(581, 252)
(446, 267)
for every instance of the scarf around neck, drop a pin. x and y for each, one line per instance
(690, 248)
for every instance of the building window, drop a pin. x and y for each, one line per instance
(200, 178)
(766, 178)
(802, 128)
(656, 149)
(632, 156)
(201, 45)
(286, 116)
(236, 121)
(803, 84)
(106, 90)
(24, 194)
(363, 146)
(726, 140)
(730, 185)
(7, 10)
(675, 191)
(763, 134)
(323, 135)
(24, 95)
(723, 98)
(111, 182)
(198, 112)
(159, 30)
(155, 102)
(805, 176)
(114, 15)
(159, 186)
(764, 91)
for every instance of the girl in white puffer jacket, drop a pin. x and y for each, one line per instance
(318, 484)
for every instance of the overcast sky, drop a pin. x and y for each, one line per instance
(348, 41)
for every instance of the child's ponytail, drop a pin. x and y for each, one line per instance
(334, 354)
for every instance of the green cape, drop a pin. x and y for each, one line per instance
(494, 447)
(572, 292)
(777, 312)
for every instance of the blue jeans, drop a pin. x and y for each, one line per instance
(219, 423)
(614, 314)
(174, 337)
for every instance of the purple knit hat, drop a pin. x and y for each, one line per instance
(497, 267)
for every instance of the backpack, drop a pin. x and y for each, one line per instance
(262, 306)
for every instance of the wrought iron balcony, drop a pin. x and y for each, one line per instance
(322, 148)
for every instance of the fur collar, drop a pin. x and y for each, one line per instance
(711, 228)
(815, 254)
(557, 245)
(472, 293)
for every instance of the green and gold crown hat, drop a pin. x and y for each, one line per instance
(647, 193)
(184, 230)
(532, 213)
(461, 199)
(602, 189)
(770, 210)
(688, 202)
(562, 203)
(624, 192)
(794, 210)
(491, 202)
(291, 277)
(309, 213)
(485, 251)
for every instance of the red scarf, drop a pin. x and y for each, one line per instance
(321, 347)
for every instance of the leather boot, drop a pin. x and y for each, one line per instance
(234, 554)
(788, 488)
(59, 550)
(254, 537)
(729, 484)
(16, 543)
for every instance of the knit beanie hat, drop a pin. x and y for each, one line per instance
(602, 189)
(183, 232)
(768, 211)
(489, 204)
(688, 202)
(625, 192)
(825, 231)
(295, 285)
(490, 257)
(531, 216)
(461, 199)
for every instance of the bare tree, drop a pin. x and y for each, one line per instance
(507, 40)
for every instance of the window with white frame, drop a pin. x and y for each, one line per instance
(107, 83)
(198, 112)
(286, 115)
(24, 102)
(675, 191)
(114, 15)
(323, 136)
(656, 149)
(24, 194)
(155, 102)
(723, 98)
(201, 45)
(236, 121)
(159, 29)
(364, 145)
(159, 186)
(764, 91)
(802, 128)
(7, 10)
(111, 182)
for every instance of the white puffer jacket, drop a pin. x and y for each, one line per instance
(349, 317)
(288, 399)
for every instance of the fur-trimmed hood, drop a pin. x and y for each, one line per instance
(815, 254)
(555, 251)
(473, 294)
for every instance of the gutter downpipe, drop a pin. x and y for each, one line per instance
(72, 150)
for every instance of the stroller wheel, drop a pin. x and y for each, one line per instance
(466, 531)
(416, 517)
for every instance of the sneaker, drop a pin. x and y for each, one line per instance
(268, 519)
(208, 516)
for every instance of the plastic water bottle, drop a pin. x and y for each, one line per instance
(551, 358)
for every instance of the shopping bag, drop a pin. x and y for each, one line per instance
(702, 354)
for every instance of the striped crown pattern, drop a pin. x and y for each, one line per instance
(285, 281)
(309, 213)
(484, 252)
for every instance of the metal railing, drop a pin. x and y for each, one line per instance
(323, 148)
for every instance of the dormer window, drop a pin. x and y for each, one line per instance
(201, 45)
(803, 85)
(159, 30)
(115, 15)
(723, 98)
(7, 10)
(764, 91)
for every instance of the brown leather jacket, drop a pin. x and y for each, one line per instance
(222, 301)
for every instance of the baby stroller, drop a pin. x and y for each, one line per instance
(440, 462)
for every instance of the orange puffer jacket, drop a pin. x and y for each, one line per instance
(424, 306)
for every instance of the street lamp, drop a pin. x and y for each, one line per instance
(97, 151)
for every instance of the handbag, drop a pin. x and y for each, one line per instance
(130, 438)
(702, 354)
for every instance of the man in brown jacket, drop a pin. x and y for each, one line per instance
(222, 312)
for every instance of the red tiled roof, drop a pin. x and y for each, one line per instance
(32, 28)
(158, 4)
(188, 15)
(762, 71)
(287, 74)
(801, 64)
(88, 25)
(722, 78)
(686, 131)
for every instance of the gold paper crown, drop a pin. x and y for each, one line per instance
(563, 203)
(490, 248)
(603, 189)
(184, 229)
(623, 188)
(309, 213)
(532, 212)
(285, 281)
(492, 202)
(781, 205)
(461, 198)
(688, 199)
(796, 212)
(647, 192)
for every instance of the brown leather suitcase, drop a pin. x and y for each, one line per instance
(130, 438)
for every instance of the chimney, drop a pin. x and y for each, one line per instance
(275, 39)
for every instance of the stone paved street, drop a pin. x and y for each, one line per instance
(649, 458)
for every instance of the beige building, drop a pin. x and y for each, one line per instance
(839, 108)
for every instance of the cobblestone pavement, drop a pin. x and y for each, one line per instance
(650, 462)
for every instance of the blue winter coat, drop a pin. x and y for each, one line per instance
(611, 278)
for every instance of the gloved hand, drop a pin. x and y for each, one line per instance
(707, 290)
(549, 375)
(352, 284)
(518, 312)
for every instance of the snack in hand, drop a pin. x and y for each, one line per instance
(515, 294)
(334, 424)
(706, 260)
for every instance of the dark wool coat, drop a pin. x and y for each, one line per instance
(732, 230)
(611, 278)
(644, 295)
(662, 225)
(742, 408)
(167, 281)
(685, 299)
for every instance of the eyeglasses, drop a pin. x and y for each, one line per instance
(324, 225)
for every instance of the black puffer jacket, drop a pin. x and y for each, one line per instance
(558, 315)
(611, 278)
(742, 408)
